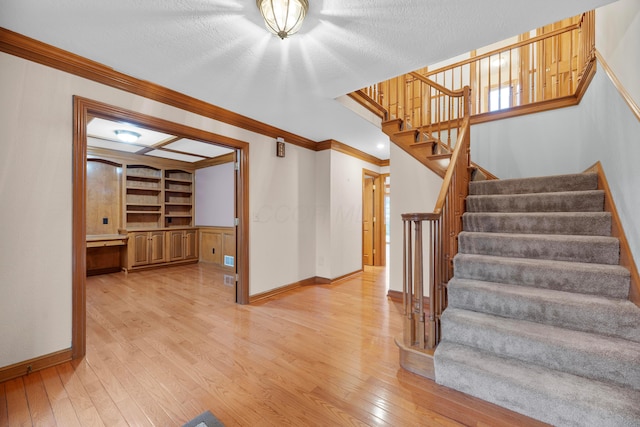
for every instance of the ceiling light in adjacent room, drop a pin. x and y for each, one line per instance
(283, 17)
(380, 146)
(127, 136)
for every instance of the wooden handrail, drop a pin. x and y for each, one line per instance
(506, 48)
(530, 72)
(442, 196)
(446, 91)
(444, 225)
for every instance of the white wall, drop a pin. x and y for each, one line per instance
(215, 196)
(618, 39)
(283, 220)
(323, 214)
(36, 198)
(414, 188)
(569, 140)
(339, 213)
(346, 212)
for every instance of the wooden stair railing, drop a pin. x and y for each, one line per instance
(444, 225)
(435, 120)
(536, 73)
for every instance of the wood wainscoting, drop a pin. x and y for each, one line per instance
(217, 244)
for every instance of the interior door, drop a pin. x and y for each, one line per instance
(368, 220)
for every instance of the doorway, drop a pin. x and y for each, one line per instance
(373, 219)
(84, 110)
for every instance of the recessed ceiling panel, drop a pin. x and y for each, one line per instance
(106, 129)
(113, 145)
(174, 156)
(197, 148)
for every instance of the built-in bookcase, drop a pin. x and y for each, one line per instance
(158, 198)
(143, 197)
(178, 198)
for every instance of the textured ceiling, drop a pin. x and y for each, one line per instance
(219, 51)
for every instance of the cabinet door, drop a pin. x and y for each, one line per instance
(138, 249)
(176, 245)
(156, 247)
(190, 244)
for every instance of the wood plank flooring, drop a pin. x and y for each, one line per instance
(168, 344)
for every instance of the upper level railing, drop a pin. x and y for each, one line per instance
(541, 67)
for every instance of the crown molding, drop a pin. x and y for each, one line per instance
(33, 50)
(332, 144)
(51, 56)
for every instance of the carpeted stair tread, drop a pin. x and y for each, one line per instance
(545, 184)
(573, 223)
(589, 355)
(559, 398)
(566, 201)
(595, 279)
(576, 248)
(587, 313)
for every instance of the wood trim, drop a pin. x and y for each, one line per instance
(220, 160)
(486, 173)
(618, 84)
(79, 230)
(367, 102)
(332, 144)
(626, 257)
(82, 109)
(325, 281)
(51, 56)
(395, 296)
(282, 289)
(94, 153)
(242, 230)
(36, 364)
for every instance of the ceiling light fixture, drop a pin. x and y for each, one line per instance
(127, 135)
(283, 17)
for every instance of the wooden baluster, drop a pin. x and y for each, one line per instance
(433, 293)
(418, 280)
(408, 331)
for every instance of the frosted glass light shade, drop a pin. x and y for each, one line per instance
(283, 17)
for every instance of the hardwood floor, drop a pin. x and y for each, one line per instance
(168, 344)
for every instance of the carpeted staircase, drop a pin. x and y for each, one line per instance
(538, 319)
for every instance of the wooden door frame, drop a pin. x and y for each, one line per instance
(379, 257)
(82, 109)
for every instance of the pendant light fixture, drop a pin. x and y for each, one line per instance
(283, 17)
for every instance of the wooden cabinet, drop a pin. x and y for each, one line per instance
(151, 248)
(146, 248)
(182, 244)
(148, 201)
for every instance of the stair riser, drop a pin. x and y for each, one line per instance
(545, 276)
(577, 182)
(594, 317)
(599, 251)
(591, 201)
(588, 224)
(622, 368)
(536, 393)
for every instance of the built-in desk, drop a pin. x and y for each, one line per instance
(105, 253)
